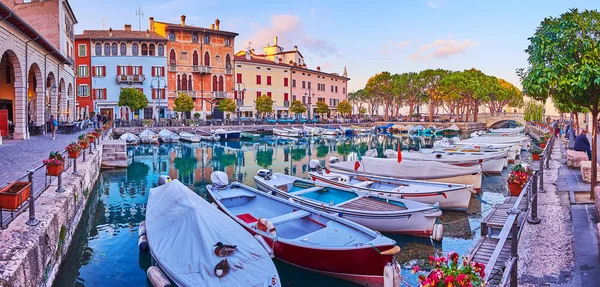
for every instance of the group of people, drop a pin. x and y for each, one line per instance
(576, 142)
(97, 120)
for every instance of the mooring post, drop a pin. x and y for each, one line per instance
(91, 152)
(533, 217)
(514, 246)
(75, 172)
(541, 173)
(32, 221)
(83, 153)
(549, 151)
(60, 189)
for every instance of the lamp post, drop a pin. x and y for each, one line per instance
(310, 94)
(241, 89)
(158, 80)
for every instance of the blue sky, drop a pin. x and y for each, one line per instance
(365, 36)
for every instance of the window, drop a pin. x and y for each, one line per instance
(172, 36)
(189, 82)
(258, 79)
(172, 60)
(206, 59)
(286, 97)
(122, 70)
(98, 49)
(293, 83)
(194, 38)
(82, 71)
(83, 90)
(158, 71)
(136, 70)
(221, 86)
(269, 80)
(228, 61)
(238, 78)
(309, 85)
(114, 49)
(161, 50)
(285, 82)
(336, 89)
(195, 58)
(135, 49)
(227, 42)
(303, 84)
(184, 82)
(215, 84)
(158, 93)
(99, 71)
(344, 90)
(178, 82)
(99, 94)
(82, 50)
(206, 39)
(152, 50)
(107, 49)
(258, 94)
(123, 49)
(269, 94)
(304, 100)
(293, 98)
(144, 50)
(332, 88)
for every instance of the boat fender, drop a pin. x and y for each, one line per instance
(391, 275)
(291, 200)
(157, 278)
(340, 214)
(273, 192)
(438, 232)
(143, 243)
(142, 229)
(265, 225)
(264, 244)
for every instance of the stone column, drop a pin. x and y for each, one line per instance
(40, 106)
(20, 106)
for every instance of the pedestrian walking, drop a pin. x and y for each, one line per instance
(95, 122)
(53, 126)
(104, 119)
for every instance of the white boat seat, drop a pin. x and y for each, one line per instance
(237, 193)
(310, 189)
(365, 183)
(289, 217)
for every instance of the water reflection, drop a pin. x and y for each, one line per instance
(105, 250)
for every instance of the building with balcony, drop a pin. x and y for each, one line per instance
(122, 59)
(36, 67)
(200, 64)
(284, 76)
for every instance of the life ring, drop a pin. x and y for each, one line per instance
(265, 225)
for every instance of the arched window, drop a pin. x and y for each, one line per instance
(123, 49)
(228, 61)
(195, 58)
(220, 83)
(114, 49)
(98, 49)
(172, 60)
(178, 82)
(184, 83)
(161, 50)
(215, 84)
(189, 82)
(144, 50)
(135, 49)
(107, 49)
(152, 50)
(206, 59)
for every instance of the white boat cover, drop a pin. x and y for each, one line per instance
(219, 179)
(182, 228)
(407, 169)
(128, 137)
(495, 140)
(453, 127)
(371, 153)
(390, 153)
(187, 135)
(453, 158)
(507, 130)
(147, 133)
(165, 133)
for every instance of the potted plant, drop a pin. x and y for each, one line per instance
(54, 164)
(535, 153)
(450, 272)
(543, 142)
(91, 137)
(83, 141)
(73, 149)
(517, 179)
(14, 195)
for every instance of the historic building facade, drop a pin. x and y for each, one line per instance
(36, 67)
(200, 64)
(122, 59)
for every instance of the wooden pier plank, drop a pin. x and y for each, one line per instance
(483, 251)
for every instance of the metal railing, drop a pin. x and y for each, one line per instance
(40, 181)
(130, 78)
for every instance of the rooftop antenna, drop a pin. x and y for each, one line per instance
(139, 13)
(249, 44)
(103, 24)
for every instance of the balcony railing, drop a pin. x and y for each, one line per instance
(201, 69)
(229, 71)
(174, 94)
(130, 78)
(172, 68)
(286, 104)
(219, 95)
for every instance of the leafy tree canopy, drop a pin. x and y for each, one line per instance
(264, 104)
(297, 107)
(321, 108)
(344, 107)
(183, 103)
(227, 105)
(132, 98)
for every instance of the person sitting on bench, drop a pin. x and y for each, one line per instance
(583, 144)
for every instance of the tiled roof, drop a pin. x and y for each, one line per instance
(120, 34)
(197, 28)
(260, 61)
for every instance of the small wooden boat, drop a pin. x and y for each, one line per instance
(523, 141)
(227, 135)
(207, 136)
(452, 129)
(168, 136)
(250, 136)
(305, 237)
(407, 169)
(378, 212)
(148, 137)
(189, 137)
(449, 196)
(468, 150)
(286, 133)
(183, 232)
(130, 138)
(313, 131)
(507, 131)
(491, 162)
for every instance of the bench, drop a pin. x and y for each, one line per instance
(289, 217)
(235, 194)
(366, 183)
(574, 158)
(586, 170)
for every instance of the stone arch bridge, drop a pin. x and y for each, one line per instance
(491, 119)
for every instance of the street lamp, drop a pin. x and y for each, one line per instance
(310, 94)
(158, 80)
(241, 89)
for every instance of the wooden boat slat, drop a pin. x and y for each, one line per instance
(482, 252)
(371, 204)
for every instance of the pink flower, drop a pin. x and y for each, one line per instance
(415, 269)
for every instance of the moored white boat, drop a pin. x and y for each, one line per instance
(182, 230)
(207, 136)
(227, 135)
(189, 137)
(305, 237)
(523, 141)
(378, 212)
(130, 138)
(507, 131)
(449, 196)
(491, 162)
(286, 133)
(168, 136)
(148, 136)
(313, 131)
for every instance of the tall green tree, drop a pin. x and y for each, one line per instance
(431, 82)
(264, 105)
(321, 108)
(297, 107)
(564, 62)
(504, 94)
(381, 87)
(132, 98)
(358, 98)
(227, 105)
(345, 108)
(183, 103)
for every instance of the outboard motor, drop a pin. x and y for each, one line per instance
(264, 173)
(334, 159)
(219, 179)
(314, 165)
(163, 179)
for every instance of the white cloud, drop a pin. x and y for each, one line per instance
(442, 48)
(390, 47)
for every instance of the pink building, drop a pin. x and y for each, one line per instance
(312, 86)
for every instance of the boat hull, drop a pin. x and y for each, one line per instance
(494, 166)
(149, 140)
(232, 136)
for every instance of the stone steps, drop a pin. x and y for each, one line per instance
(114, 154)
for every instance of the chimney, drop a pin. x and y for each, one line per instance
(217, 23)
(318, 69)
(127, 27)
(296, 48)
(151, 23)
(109, 32)
(275, 41)
(280, 60)
(182, 20)
(147, 33)
(212, 26)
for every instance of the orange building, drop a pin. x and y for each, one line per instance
(200, 64)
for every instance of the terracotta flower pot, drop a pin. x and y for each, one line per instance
(543, 145)
(74, 154)
(535, 156)
(514, 189)
(84, 145)
(14, 195)
(54, 170)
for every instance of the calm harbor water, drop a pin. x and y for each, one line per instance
(104, 250)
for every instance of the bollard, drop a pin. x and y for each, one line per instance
(60, 189)
(83, 153)
(95, 145)
(533, 216)
(91, 152)
(32, 221)
(75, 172)
(514, 247)
(541, 173)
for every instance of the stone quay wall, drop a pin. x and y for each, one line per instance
(31, 255)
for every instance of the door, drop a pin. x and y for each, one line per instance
(217, 114)
(108, 112)
(4, 123)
